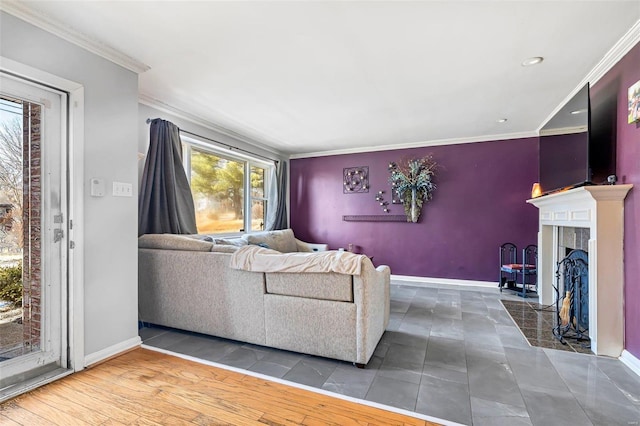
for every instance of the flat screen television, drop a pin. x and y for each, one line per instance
(577, 145)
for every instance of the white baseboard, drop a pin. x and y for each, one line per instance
(422, 281)
(630, 361)
(112, 350)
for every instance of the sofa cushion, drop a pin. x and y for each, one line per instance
(283, 241)
(322, 286)
(317, 327)
(173, 242)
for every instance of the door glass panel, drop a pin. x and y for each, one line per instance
(32, 207)
(17, 324)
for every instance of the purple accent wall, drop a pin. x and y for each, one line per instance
(623, 75)
(478, 205)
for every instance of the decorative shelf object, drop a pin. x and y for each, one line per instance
(412, 181)
(384, 204)
(634, 103)
(355, 179)
(375, 218)
(395, 198)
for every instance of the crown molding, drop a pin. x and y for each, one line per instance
(564, 131)
(612, 57)
(55, 27)
(202, 122)
(423, 144)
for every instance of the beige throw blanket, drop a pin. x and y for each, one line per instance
(259, 259)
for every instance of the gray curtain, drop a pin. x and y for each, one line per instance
(277, 211)
(165, 205)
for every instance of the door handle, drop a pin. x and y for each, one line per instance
(57, 235)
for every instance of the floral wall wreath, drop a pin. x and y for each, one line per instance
(412, 181)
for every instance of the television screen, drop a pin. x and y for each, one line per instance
(564, 160)
(564, 145)
(603, 131)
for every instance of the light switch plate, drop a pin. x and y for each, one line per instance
(122, 189)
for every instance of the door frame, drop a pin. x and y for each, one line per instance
(75, 192)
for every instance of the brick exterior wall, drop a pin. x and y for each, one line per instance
(31, 272)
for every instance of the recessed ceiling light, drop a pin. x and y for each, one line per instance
(532, 61)
(502, 120)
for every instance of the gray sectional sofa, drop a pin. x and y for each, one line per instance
(188, 284)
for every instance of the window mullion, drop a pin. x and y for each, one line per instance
(247, 197)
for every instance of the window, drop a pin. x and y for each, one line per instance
(258, 199)
(219, 182)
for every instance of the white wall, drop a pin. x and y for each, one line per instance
(110, 152)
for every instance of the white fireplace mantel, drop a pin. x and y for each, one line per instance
(601, 209)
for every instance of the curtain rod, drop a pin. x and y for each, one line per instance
(226, 145)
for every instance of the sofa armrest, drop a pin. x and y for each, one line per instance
(306, 247)
(372, 295)
(385, 273)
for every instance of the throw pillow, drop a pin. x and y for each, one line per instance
(208, 238)
(238, 242)
(224, 248)
(173, 242)
(283, 241)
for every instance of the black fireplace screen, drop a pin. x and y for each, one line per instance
(572, 297)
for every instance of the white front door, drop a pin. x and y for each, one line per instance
(33, 229)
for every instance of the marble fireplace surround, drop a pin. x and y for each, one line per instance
(601, 209)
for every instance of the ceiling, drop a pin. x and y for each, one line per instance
(309, 77)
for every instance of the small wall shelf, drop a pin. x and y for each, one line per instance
(375, 218)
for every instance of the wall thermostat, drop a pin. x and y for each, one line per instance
(97, 187)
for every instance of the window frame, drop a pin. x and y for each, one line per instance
(189, 142)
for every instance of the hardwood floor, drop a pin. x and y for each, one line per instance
(143, 387)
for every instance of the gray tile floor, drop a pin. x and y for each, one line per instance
(450, 352)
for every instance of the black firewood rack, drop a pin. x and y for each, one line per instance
(521, 277)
